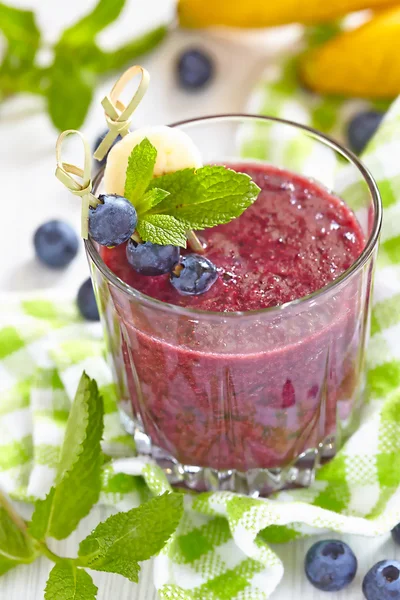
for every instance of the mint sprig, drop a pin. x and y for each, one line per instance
(118, 544)
(140, 170)
(170, 205)
(16, 546)
(114, 546)
(69, 582)
(78, 479)
(67, 83)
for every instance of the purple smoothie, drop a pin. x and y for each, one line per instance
(254, 391)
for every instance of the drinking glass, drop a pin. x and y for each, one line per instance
(247, 401)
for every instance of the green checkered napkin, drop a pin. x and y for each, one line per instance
(221, 548)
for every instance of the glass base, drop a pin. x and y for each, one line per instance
(254, 483)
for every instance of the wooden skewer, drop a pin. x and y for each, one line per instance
(194, 242)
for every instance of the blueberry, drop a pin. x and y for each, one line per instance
(152, 259)
(113, 221)
(87, 302)
(382, 582)
(56, 244)
(195, 275)
(102, 162)
(396, 534)
(361, 129)
(195, 69)
(330, 565)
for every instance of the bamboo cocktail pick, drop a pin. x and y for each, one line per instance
(118, 118)
(64, 172)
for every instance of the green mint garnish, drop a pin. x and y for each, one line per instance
(115, 546)
(16, 547)
(118, 544)
(140, 170)
(78, 61)
(185, 200)
(67, 581)
(150, 200)
(78, 480)
(162, 229)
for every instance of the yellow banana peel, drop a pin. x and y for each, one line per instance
(362, 62)
(266, 13)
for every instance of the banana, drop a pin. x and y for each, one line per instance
(361, 62)
(175, 151)
(265, 13)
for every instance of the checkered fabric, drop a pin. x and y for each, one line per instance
(221, 549)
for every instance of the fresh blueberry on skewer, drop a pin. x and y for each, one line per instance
(113, 221)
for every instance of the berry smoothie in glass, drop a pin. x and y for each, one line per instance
(240, 363)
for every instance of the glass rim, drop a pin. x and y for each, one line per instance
(298, 302)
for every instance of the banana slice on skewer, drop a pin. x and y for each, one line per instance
(175, 151)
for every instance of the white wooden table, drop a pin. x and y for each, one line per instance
(31, 194)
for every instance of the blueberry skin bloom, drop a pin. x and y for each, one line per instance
(152, 259)
(330, 565)
(113, 221)
(56, 244)
(195, 69)
(87, 302)
(396, 534)
(195, 275)
(362, 127)
(382, 582)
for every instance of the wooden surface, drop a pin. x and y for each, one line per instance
(28, 582)
(27, 150)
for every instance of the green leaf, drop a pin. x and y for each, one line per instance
(124, 539)
(205, 197)
(13, 81)
(162, 229)
(70, 92)
(149, 200)
(68, 582)
(39, 525)
(104, 13)
(15, 546)
(101, 62)
(78, 480)
(22, 35)
(139, 171)
(316, 35)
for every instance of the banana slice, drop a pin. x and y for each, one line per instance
(175, 151)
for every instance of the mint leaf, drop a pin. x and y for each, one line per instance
(22, 35)
(101, 61)
(124, 539)
(140, 169)
(122, 564)
(68, 582)
(149, 200)
(20, 80)
(69, 93)
(15, 546)
(162, 229)
(39, 525)
(205, 197)
(78, 480)
(104, 13)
